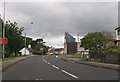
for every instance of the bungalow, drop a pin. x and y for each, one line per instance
(25, 51)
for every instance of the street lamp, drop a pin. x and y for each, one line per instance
(25, 40)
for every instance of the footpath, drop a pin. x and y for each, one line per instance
(8, 63)
(115, 67)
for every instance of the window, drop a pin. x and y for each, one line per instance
(118, 32)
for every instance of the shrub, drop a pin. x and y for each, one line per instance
(113, 49)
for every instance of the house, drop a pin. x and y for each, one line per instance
(50, 50)
(117, 41)
(25, 51)
(70, 46)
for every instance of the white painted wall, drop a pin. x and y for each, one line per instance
(117, 36)
(23, 51)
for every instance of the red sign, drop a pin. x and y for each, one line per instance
(3, 40)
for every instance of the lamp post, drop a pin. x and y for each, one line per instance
(26, 41)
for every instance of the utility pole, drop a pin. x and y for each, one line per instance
(78, 43)
(3, 56)
(78, 37)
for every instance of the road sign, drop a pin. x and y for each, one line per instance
(3, 40)
(0, 40)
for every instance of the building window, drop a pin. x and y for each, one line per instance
(118, 32)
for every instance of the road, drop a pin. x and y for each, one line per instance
(52, 68)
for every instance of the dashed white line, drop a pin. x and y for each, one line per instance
(55, 67)
(38, 79)
(61, 70)
(45, 61)
(69, 74)
(48, 63)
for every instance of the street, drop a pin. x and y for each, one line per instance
(46, 67)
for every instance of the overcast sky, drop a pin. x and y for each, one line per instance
(52, 19)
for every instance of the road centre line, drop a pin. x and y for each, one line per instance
(62, 70)
(45, 61)
(48, 63)
(38, 79)
(55, 67)
(69, 74)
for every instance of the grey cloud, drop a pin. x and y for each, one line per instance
(55, 18)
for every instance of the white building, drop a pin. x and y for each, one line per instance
(25, 51)
(118, 35)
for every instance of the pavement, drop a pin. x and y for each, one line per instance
(95, 64)
(8, 63)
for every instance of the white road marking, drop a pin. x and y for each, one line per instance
(59, 68)
(43, 58)
(38, 79)
(56, 56)
(69, 74)
(55, 67)
(45, 61)
(49, 63)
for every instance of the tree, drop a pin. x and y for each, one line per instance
(93, 41)
(28, 41)
(15, 40)
(108, 38)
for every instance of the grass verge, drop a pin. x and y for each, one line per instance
(73, 56)
(12, 58)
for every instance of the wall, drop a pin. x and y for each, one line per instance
(65, 48)
(70, 47)
(112, 58)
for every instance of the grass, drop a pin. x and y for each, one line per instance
(12, 58)
(73, 56)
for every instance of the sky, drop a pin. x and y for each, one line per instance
(52, 19)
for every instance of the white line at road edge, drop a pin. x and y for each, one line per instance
(55, 67)
(69, 74)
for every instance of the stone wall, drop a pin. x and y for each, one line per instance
(112, 58)
(70, 47)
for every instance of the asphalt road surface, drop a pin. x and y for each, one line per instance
(52, 68)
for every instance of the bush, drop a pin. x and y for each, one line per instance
(113, 49)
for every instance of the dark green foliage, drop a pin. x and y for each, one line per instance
(28, 41)
(15, 41)
(93, 41)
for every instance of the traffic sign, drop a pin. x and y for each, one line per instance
(3, 40)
